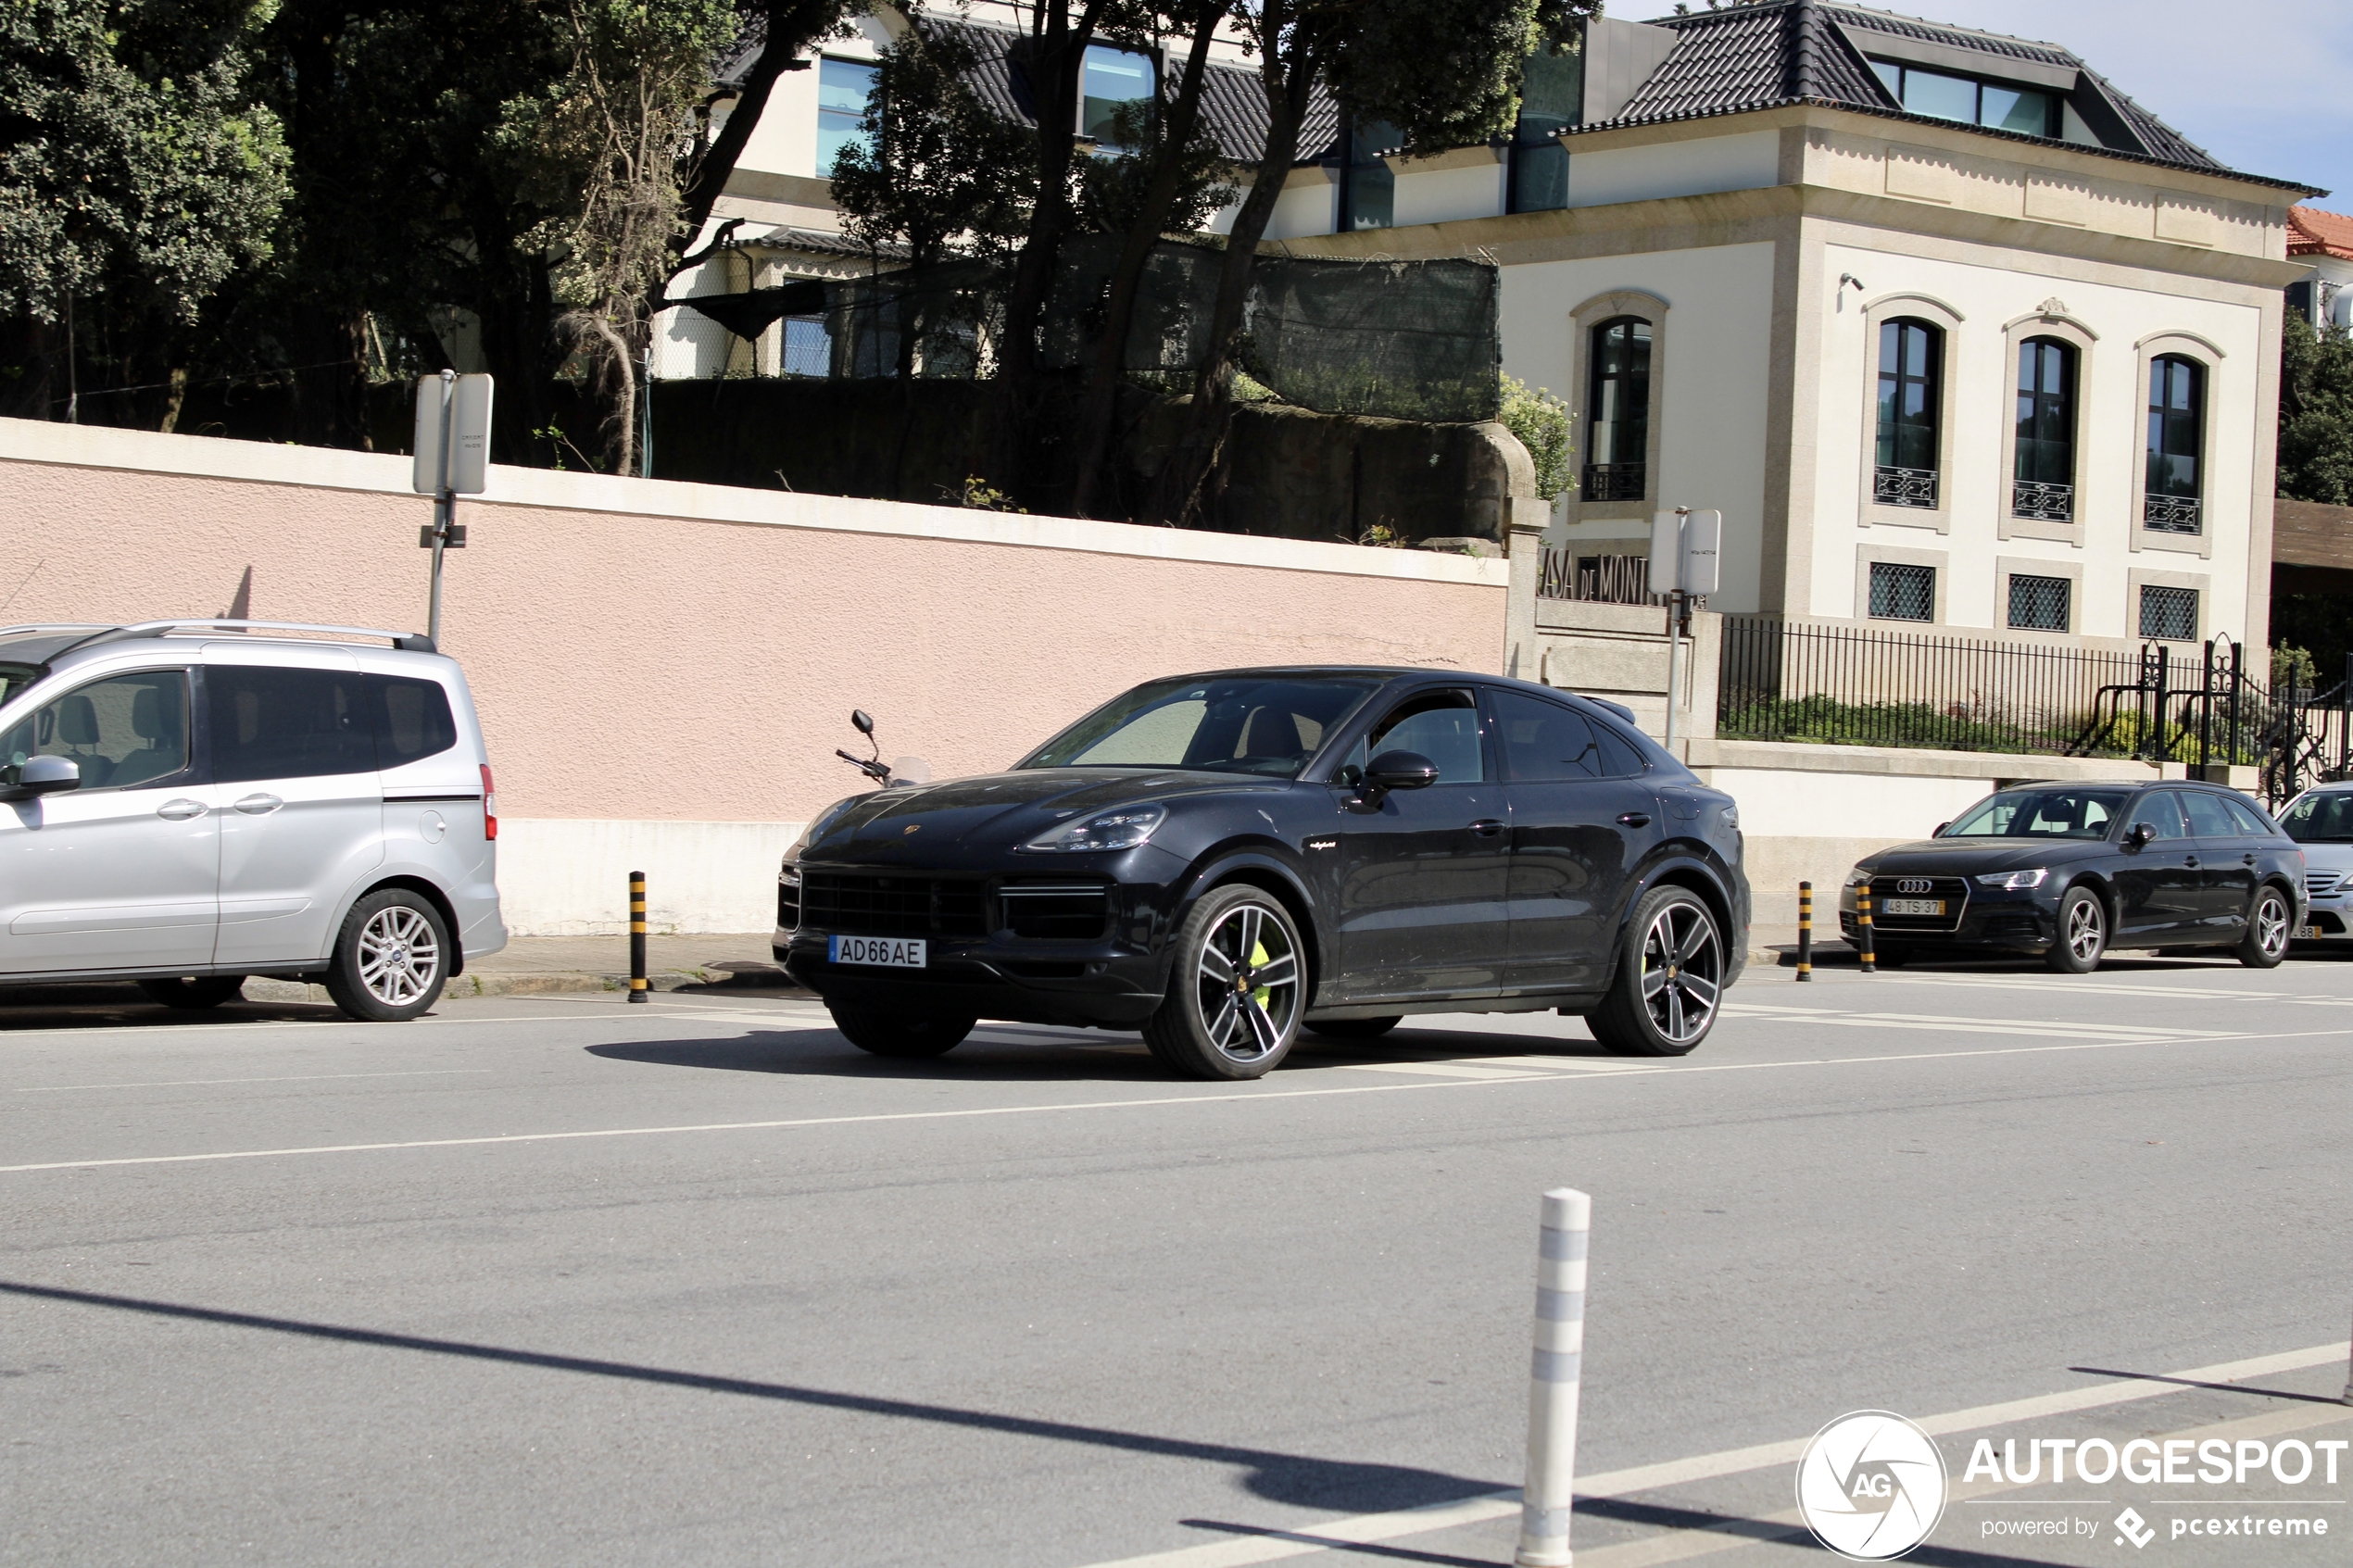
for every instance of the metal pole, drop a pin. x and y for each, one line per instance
(1805, 931)
(1553, 1375)
(2206, 712)
(2238, 694)
(444, 508)
(638, 937)
(1674, 647)
(1863, 927)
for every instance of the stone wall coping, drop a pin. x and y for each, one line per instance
(99, 446)
(1791, 756)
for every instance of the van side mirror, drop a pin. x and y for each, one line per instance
(2139, 834)
(43, 775)
(1398, 770)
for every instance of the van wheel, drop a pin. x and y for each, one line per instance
(391, 958)
(195, 992)
(1671, 978)
(1353, 1028)
(900, 1033)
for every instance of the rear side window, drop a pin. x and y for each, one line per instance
(2250, 820)
(279, 723)
(2208, 817)
(1548, 740)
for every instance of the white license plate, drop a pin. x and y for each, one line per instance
(893, 952)
(1912, 905)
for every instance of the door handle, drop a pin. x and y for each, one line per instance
(180, 810)
(1634, 818)
(260, 805)
(2189, 860)
(2247, 859)
(1487, 827)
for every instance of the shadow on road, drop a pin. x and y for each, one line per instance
(1299, 1479)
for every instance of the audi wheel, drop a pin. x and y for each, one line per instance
(2269, 925)
(2082, 932)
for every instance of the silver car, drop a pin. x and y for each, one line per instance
(2321, 821)
(187, 803)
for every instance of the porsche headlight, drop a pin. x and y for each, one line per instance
(1123, 829)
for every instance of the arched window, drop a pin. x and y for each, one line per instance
(2044, 485)
(1617, 411)
(1911, 389)
(2177, 434)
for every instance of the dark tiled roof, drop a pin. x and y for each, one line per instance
(1759, 56)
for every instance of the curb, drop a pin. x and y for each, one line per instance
(495, 984)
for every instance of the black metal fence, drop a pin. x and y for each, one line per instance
(1860, 686)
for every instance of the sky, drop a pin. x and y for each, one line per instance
(2266, 86)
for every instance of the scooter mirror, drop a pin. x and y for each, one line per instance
(862, 719)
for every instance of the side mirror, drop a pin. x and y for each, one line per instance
(862, 720)
(1398, 770)
(2139, 834)
(43, 775)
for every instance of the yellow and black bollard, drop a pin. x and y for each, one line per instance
(1863, 927)
(638, 937)
(1805, 931)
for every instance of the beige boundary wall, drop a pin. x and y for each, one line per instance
(663, 669)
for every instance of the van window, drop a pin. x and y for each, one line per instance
(270, 723)
(124, 731)
(413, 720)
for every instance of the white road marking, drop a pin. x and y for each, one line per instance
(1257, 1095)
(163, 1029)
(1472, 1068)
(1308, 1540)
(286, 1078)
(1941, 1023)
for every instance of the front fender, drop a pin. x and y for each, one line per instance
(1251, 860)
(1682, 861)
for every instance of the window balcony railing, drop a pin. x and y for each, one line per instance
(2171, 514)
(2043, 500)
(1616, 481)
(1903, 487)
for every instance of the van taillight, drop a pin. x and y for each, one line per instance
(489, 804)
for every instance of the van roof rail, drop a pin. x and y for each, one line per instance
(29, 627)
(410, 642)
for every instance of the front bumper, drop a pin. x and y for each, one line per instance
(1096, 985)
(2022, 922)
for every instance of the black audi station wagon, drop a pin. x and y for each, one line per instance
(2074, 871)
(1220, 860)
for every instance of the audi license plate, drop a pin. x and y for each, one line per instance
(1912, 905)
(893, 952)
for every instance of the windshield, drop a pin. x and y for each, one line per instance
(1265, 724)
(2321, 817)
(2041, 813)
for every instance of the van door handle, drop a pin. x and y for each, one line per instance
(1634, 818)
(2249, 860)
(2189, 860)
(180, 810)
(1487, 827)
(260, 805)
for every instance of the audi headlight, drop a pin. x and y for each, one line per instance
(1123, 829)
(1858, 877)
(2015, 882)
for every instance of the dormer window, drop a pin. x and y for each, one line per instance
(1938, 96)
(1112, 79)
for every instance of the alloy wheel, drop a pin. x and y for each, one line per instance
(2086, 930)
(1682, 972)
(399, 956)
(2270, 924)
(1248, 983)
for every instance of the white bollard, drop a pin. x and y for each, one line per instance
(1553, 1381)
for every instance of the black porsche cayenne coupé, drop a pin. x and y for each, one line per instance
(1223, 859)
(2074, 871)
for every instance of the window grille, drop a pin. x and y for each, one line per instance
(2169, 614)
(2044, 502)
(2171, 514)
(1903, 593)
(1614, 482)
(1903, 487)
(2039, 604)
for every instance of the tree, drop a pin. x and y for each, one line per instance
(137, 167)
(1440, 73)
(2316, 414)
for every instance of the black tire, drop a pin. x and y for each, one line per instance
(2082, 932)
(1674, 936)
(391, 958)
(2270, 924)
(193, 993)
(900, 1033)
(1237, 986)
(1353, 1028)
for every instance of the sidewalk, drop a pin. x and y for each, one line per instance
(538, 965)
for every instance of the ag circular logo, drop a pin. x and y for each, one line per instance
(1871, 1486)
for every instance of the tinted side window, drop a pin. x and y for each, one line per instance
(1442, 726)
(1545, 740)
(2208, 817)
(412, 719)
(1621, 757)
(2158, 809)
(275, 723)
(123, 733)
(2250, 820)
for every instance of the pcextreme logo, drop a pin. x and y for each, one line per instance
(1871, 1486)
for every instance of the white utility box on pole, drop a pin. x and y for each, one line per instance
(1685, 548)
(452, 458)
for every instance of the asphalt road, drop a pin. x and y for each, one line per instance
(556, 1281)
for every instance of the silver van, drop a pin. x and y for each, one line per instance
(185, 803)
